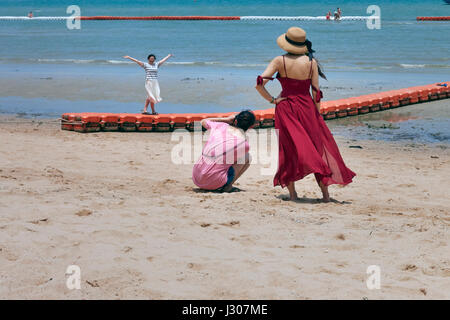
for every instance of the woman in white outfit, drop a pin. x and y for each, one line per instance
(151, 80)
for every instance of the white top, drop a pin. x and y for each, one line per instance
(151, 71)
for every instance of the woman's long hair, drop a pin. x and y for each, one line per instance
(319, 67)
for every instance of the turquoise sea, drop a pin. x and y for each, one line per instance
(47, 69)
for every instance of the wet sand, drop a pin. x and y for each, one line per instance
(116, 206)
(50, 90)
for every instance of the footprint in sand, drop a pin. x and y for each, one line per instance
(340, 236)
(135, 164)
(245, 239)
(406, 185)
(39, 221)
(296, 246)
(164, 185)
(53, 172)
(194, 266)
(436, 271)
(8, 177)
(93, 283)
(230, 224)
(409, 267)
(127, 249)
(84, 213)
(8, 254)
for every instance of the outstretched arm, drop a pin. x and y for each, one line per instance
(135, 60)
(165, 59)
(269, 72)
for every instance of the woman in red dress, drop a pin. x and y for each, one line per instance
(306, 145)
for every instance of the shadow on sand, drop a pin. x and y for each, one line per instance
(311, 200)
(234, 189)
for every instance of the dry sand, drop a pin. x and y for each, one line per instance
(115, 205)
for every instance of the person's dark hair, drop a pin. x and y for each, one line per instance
(244, 120)
(151, 55)
(319, 67)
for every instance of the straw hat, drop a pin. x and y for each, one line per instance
(293, 41)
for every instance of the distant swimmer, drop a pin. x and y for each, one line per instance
(151, 80)
(328, 15)
(30, 14)
(339, 12)
(336, 16)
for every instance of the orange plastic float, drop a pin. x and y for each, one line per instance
(127, 122)
(192, 118)
(94, 122)
(87, 122)
(109, 122)
(162, 123)
(144, 123)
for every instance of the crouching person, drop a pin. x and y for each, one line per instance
(225, 156)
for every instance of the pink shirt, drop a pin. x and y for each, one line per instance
(220, 152)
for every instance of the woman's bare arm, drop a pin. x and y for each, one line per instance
(135, 60)
(269, 72)
(228, 120)
(315, 83)
(165, 59)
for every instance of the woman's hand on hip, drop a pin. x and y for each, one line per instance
(278, 100)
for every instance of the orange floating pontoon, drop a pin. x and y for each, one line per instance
(94, 122)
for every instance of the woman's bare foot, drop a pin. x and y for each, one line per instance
(293, 197)
(325, 195)
(292, 193)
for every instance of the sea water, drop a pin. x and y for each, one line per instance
(47, 69)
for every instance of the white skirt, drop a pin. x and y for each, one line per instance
(152, 88)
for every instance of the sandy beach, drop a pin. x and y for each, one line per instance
(115, 205)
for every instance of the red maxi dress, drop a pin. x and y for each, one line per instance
(306, 145)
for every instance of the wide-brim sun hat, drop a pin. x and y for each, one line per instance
(294, 41)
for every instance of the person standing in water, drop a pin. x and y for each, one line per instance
(336, 16)
(151, 80)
